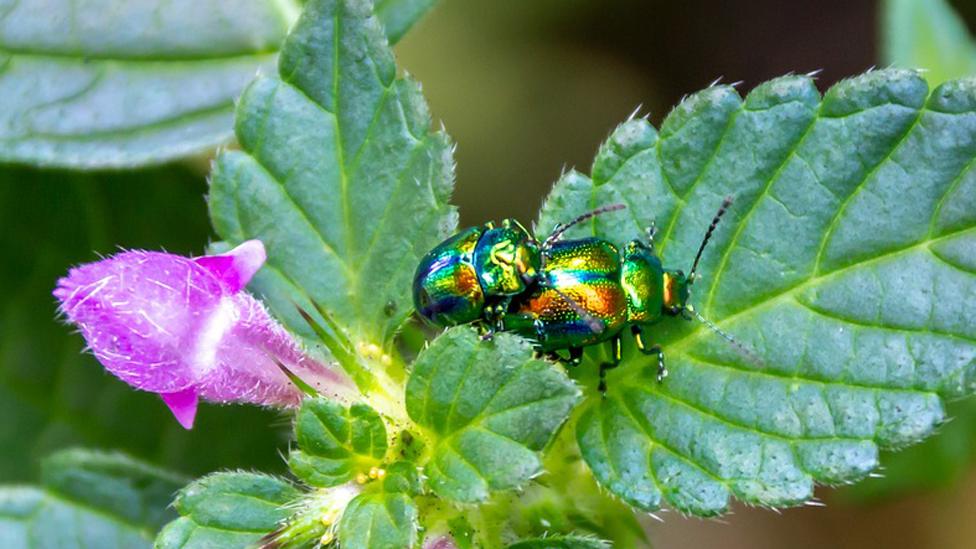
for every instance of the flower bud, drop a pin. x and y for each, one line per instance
(184, 328)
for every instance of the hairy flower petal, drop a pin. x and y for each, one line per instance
(182, 327)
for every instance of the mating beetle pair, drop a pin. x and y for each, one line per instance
(563, 294)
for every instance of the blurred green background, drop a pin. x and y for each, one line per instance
(526, 89)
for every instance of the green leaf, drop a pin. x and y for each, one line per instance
(384, 516)
(339, 175)
(88, 499)
(34, 518)
(937, 463)
(398, 16)
(379, 521)
(52, 395)
(336, 443)
(561, 542)
(227, 510)
(845, 263)
(113, 83)
(489, 407)
(928, 35)
(132, 490)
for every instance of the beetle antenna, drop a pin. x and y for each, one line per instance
(708, 235)
(743, 350)
(560, 229)
(594, 323)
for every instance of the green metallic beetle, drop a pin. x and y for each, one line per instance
(563, 294)
(474, 274)
(588, 292)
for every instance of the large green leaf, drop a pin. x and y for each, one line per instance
(489, 408)
(52, 395)
(88, 499)
(336, 443)
(110, 83)
(227, 510)
(928, 35)
(115, 83)
(339, 175)
(846, 264)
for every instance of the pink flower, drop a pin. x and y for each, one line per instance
(184, 328)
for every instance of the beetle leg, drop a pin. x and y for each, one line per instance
(575, 356)
(651, 233)
(494, 318)
(540, 329)
(574, 360)
(662, 371)
(616, 353)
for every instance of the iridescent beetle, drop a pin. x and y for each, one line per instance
(475, 274)
(563, 294)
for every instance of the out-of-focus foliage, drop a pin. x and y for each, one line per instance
(88, 499)
(114, 83)
(927, 35)
(398, 16)
(52, 394)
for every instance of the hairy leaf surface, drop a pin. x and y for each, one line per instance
(227, 510)
(336, 443)
(490, 408)
(87, 499)
(846, 264)
(339, 175)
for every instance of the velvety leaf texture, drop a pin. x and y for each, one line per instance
(109, 83)
(88, 499)
(339, 176)
(846, 264)
(336, 443)
(227, 510)
(490, 408)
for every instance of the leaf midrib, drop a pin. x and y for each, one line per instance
(149, 58)
(694, 336)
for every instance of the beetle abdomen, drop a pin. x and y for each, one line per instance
(586, 271)
(446, 290)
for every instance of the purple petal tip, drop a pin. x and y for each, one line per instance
(236, 267)
(183, 404)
